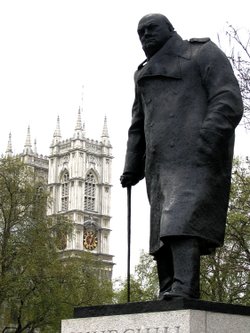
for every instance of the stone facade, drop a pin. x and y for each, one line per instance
(78, 172)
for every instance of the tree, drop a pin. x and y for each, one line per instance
(37, 287)
(225, 276)
(88, 284)
(239, 55)
(144, 282)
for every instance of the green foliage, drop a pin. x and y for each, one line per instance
(88, 284)
(37, 286)
(239, 55)
(143, 283)
(225, 276)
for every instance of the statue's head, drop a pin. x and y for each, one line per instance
(154, 30)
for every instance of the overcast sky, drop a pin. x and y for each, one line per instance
(50, 49)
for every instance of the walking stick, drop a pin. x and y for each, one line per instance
(129, 239)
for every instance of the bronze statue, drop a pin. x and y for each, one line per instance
(187, 105)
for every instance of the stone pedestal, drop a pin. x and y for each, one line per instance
(176, 316)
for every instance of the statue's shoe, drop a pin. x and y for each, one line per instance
(174, 294)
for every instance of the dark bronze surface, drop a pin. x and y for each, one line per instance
(187, 105)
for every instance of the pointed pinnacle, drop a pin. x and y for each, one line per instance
(28, 145)
(28, 140)
(57, 133)
(35, 147)
(105, 133)
(9, 146)
(79, 121)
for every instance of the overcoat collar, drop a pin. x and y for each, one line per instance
(166, 62)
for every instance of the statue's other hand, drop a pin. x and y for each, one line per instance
(208, 147)
(204, 156)
(129, 179)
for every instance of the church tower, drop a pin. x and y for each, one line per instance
(79, 180)
(29, 156)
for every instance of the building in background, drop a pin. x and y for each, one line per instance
(78, 173)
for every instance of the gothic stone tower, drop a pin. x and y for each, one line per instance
(39, 163)
(79, 181)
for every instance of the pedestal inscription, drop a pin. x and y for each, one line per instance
(180, 316)
(162, 322)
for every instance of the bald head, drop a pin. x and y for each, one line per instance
(154, 30)
(158, 17)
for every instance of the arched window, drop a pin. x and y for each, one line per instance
(90, 192)
(65, 191)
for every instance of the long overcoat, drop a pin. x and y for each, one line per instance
(187, 105)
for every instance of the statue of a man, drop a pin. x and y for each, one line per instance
(187, 105)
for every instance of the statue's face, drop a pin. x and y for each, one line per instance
(153, 32)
